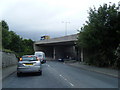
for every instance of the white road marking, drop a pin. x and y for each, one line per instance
(66, 80)
(61, 75)
(71, 84)
(48, 65)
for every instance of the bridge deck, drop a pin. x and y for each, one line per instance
(58, 40)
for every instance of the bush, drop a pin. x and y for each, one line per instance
(101, 36)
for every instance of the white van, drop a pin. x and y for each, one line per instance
(41, 56)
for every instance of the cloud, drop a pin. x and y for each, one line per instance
(34, 18)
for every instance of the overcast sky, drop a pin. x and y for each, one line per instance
(35, 18)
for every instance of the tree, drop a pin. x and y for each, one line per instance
(100, 35)
(4, 25)
(117, 53)
(0, 35)
(14, 45)
(28, 46)
(5, 35)
(13, 42)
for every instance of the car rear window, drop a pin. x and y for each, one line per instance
(39, 55)
(29, 59)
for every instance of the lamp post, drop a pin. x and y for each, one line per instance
(66, 26)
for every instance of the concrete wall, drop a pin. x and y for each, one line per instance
(0, 70)
(9, 64)
(8, 59)
(0, 59)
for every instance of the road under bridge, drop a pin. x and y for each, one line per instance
(61, 47)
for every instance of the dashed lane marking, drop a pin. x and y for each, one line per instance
(71, 84)
(61, 75)
(66, 80)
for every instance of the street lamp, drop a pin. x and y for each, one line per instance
(66, 26)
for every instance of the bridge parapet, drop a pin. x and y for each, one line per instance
(59, 39)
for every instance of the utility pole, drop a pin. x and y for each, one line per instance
(65, 26)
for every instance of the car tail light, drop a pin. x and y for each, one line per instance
(38, 58)
(20, 59)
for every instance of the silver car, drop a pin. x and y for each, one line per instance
(29, 64)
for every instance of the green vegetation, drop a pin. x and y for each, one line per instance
(7, 51)
(0, 36)
(117, 53)
(11, 42)
(100, 36)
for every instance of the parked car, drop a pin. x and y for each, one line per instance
(41, 56)
(29, 64)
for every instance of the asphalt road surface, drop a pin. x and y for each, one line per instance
(59, 75)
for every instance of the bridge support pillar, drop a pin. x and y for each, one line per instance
(54, 53)
(82, 55)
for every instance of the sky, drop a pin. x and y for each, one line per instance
(32, 19)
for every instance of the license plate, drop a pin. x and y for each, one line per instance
(28, 64)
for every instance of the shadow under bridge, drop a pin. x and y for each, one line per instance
(56, 48)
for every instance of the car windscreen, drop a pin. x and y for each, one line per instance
(38, 55)
(29, 59)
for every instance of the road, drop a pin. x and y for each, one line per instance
(60, 75)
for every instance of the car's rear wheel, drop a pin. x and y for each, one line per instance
(18, 74)
(40, 73)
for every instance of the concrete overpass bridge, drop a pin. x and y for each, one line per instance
(61, 47)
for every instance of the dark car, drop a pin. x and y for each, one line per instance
(61, 60)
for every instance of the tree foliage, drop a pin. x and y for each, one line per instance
(5, 35)
(13, 42)
(0, 36)
(101, 35)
